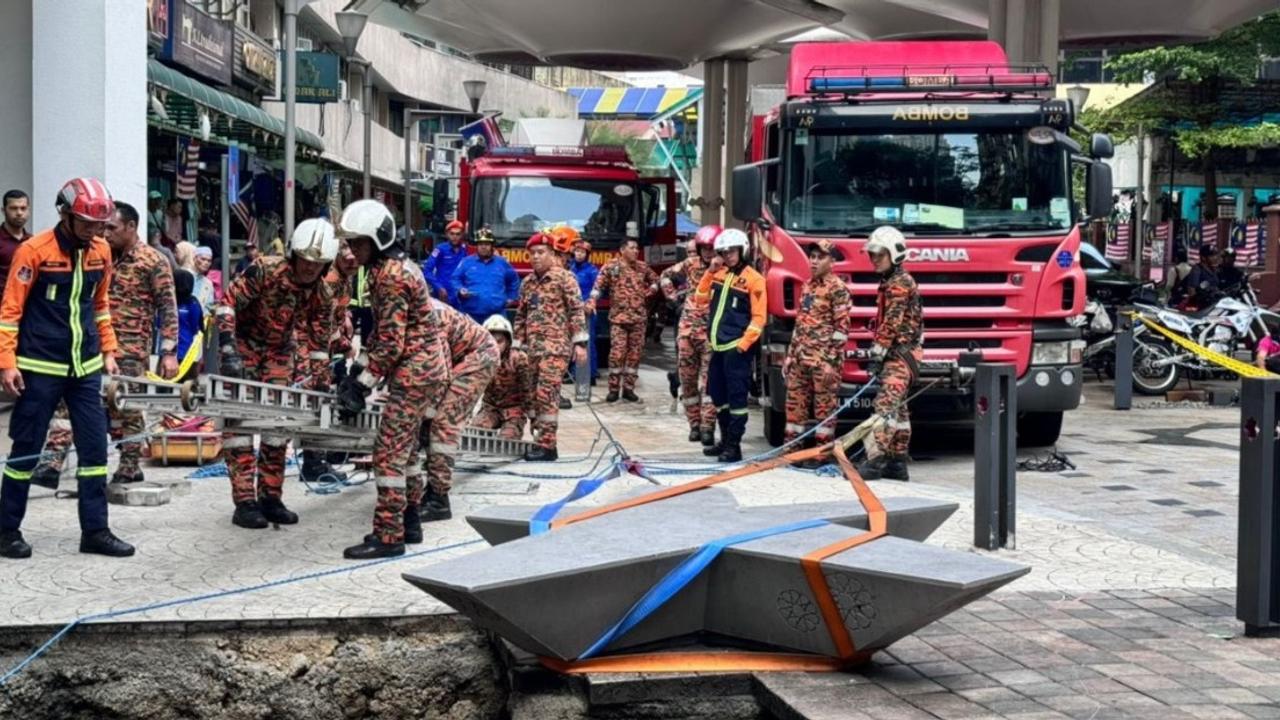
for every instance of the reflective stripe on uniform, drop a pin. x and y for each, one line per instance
(795, 427)
(726, 289)
(60, 424)
(390, 482)
(275, 441)
(738, 411)
(44, 367)
(15, 474)
(224, 310)
(548, 417)
(693, 401)
(91, 471)
(102, 316)
(92, 365)
(319, 355)
(839, 336)
(443, 449)
(8, 327)
(77, 333)
(237, 441)
(615, 371)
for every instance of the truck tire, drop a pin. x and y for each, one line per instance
(1039, 429)
(775, 425)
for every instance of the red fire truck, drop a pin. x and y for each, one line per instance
(967, 155)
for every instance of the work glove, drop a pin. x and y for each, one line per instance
(338, 370)
(230, 363)
(351, 397)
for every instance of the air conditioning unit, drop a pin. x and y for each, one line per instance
(304, 44)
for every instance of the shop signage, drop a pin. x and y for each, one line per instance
(199, 42)
(317, 77)
(255, 62)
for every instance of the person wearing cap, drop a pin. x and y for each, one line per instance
(484, 284)
(549, 326)
(438, 268)
(586, 273)
(735, 294)
(815, 356)
(56, 341)
(1230, 278)
(1202, 286)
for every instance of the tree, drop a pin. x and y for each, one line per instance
(1195, 106)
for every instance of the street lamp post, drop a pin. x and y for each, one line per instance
(290, 110)
(474, 90)
(409, 118)
(351, 25)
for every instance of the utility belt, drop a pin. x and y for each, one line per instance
(905, 353)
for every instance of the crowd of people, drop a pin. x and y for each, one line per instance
(89, 296)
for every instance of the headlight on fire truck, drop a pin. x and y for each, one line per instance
(1065, 352)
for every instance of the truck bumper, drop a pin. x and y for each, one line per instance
(1042, 388)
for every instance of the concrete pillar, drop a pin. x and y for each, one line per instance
(89, 106)
(996, 16)
(15, 88)
(712, 141)
(1015, 30)
(1050, 21)
(735, 125)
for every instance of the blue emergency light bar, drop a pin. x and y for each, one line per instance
(866, 80)
(594, 153)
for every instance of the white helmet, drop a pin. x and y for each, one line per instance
(890, 239)
(371, 219)
(731, 238)
(499, 323)
(314, 240)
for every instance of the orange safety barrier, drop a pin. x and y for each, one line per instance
(849, 655)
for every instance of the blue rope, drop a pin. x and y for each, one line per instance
(48, 644)
(681, 576)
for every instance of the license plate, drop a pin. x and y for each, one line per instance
(864, 402)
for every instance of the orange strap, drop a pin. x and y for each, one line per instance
(877, 526)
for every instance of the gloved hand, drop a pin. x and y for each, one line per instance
(351, 397)
(338, 369)
(230, 363)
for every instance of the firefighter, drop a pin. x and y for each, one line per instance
(56, 340)
(896, 348)
(693, 354)
(142, 301)
(564, 238)
(629, 282)
(264, 312)
(438, 268)
(505, 404)
(550, 325)
(586, 273)
(816, 354)
(473, 359)
(735, 294)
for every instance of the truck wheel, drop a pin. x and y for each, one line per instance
(1039, 429)
(775, 425)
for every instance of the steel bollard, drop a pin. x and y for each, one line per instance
(994, 455)
(1258, 541)
(1124, 359)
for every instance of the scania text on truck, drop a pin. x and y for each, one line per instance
(968, 156)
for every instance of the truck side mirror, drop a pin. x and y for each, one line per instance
(1101, 147)
(748, 189)
(1098, 190)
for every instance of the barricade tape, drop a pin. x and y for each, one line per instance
(1242, 369)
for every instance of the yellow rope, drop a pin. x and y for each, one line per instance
(192, 356)
(1242, 369)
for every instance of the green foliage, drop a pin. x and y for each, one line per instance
(1235, 55)
(638, 149)
(1195, 142)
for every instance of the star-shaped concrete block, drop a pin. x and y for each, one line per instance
(555, 594)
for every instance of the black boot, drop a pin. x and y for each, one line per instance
(13, 546)
(612, 396)
(413, 525)
(695, 434)
(708, 438)
(274, 511)
(435, 506)
(121, 478)
(315, 468)
(46, 477)
(102, 542)
(249, 515)
(630, 395)
(565, 404)
(730, 453)
(895, 468)
(372, 548)
(541, 454)
(714, 449)
(874, 468)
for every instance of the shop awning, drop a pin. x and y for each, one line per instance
(230, 118)
(641, 103)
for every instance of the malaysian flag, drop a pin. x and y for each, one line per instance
(247, 220)
(1247, 239)
(1157, 236)
(188, 169)
(1118, 241)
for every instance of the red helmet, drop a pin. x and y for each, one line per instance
(87, 199)
(706, 235)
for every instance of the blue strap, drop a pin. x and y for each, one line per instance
(682, 575)
(541, 521)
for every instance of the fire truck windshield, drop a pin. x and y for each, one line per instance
(849, 183)
(516, 207)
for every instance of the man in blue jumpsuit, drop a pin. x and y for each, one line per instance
(484, 284)
(444, 259)
(582, 268)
